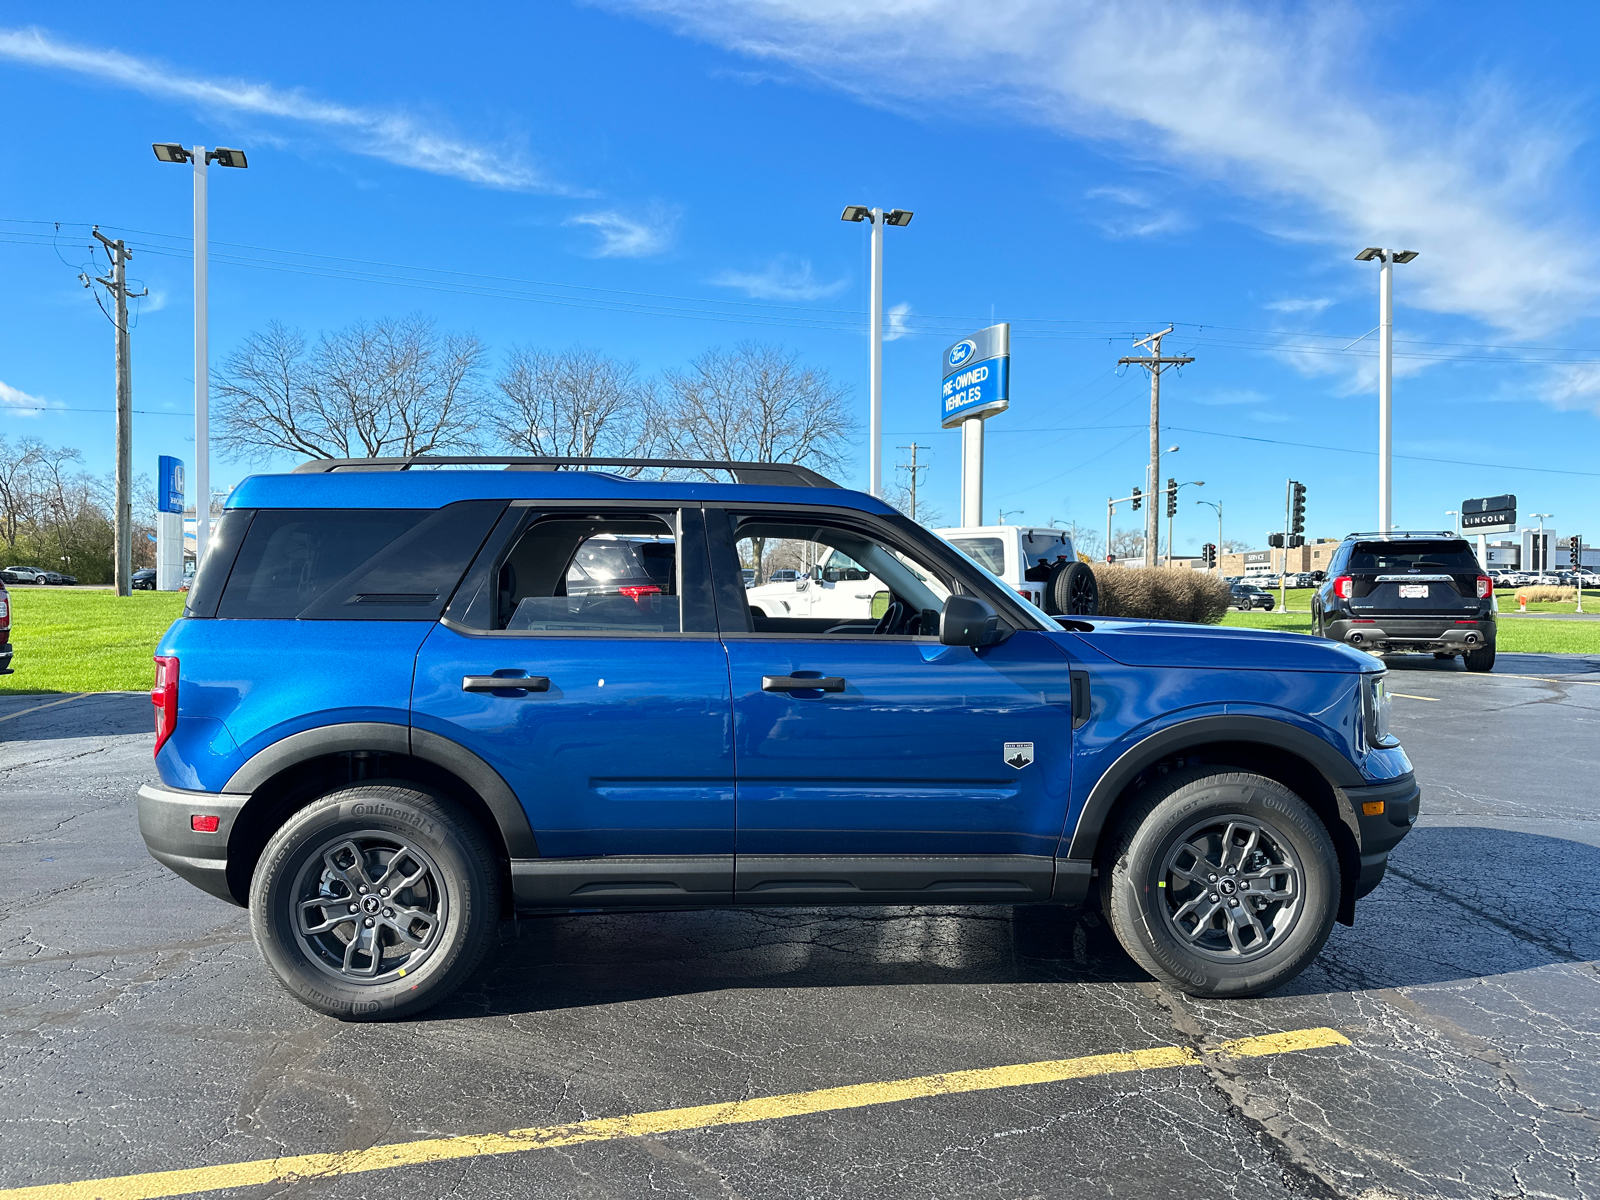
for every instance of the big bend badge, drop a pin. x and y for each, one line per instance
(1018, 754)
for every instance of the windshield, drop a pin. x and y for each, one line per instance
(1452, 557)
(1046, 621)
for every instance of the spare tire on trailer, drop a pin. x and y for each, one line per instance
(1072, 591)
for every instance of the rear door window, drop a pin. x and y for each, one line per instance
(354, 564)
(988, 551)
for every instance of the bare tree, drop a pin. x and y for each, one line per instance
(1127, 543)
(389, 386)
(928, 515)
(755, 404)
(16, 485)
(573, 404)
(1233, 546)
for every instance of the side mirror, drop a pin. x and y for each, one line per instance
(967, 621)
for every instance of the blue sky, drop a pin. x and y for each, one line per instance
(654, 178)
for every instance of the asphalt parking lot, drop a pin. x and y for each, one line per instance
(1454, 1044)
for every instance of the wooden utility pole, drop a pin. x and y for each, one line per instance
(913, 468)
(123, 524)
(1155, 364)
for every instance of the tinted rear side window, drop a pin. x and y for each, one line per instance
(354, 564)
(1444, 557)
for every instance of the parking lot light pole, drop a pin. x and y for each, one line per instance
(200, 157)
(1450, 512)
(878, 219)
(1216, 504)
(1386, 260)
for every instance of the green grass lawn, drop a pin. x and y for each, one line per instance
(79, 641)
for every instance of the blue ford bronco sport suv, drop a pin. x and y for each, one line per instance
(408, 699)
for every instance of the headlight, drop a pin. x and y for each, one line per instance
(1375, 690)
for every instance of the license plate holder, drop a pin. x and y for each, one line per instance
(1413, 591)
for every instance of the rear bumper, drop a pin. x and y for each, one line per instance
(1397, 804)
(201, 858)
(1413, 633)
(5, 659)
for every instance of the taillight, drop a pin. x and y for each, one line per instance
(165, 698)
(634, 592)
(1344, 587)
(5, 614)
(1485, 587)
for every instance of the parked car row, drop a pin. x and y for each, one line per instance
(35, 575)
(1516, 579)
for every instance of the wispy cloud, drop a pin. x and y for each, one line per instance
(1576, 386)
(783, 279)
(1272, 102)
(14, 400)
(1314, 305)
(388, 134)
(897, 327)
(1136, 213)
(622, 236)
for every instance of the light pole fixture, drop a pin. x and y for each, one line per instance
(1450, 512)
(1216, 504)
(1386, 260)
(878, 219)
(1541, 552)
(172, 152)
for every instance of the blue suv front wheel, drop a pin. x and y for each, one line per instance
(1221, 883)
(374, 901)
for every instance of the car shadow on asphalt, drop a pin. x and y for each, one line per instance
(50, 716)
(1461, 903)
(1505, 664)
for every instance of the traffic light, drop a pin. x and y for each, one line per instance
(1275, 540)
(1208, 555)
(1172, 497)
(1138, 499)
(1575, 545)
(1297, 509)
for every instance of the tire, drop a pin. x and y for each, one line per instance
(1480, 660)
(1073, 590)
(326, 963)
(1150, 895)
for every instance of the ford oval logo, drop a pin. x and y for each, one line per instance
(961, 351)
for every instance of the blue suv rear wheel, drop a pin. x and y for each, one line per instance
(374, 902)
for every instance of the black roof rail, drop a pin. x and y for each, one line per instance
(767, 474)
(1405, 533)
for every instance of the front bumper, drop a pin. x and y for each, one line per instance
(201, 858)
(1417, 634)
(1393, 811)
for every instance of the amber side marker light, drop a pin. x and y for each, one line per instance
(1371, 808)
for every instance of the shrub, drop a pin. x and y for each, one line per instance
(1161, 593)
(1546, 591)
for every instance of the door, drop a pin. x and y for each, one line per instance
(911, 772)
(580, 660)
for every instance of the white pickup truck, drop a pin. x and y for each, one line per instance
(1040, 564)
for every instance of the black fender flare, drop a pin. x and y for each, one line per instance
(1337, 770)
(388, 738)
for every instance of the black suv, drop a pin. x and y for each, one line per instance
(1414, 593)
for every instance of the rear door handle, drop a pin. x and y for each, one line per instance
(801, 683)
(503, 683)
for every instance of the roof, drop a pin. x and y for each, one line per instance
(369, 486)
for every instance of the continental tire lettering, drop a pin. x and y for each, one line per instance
(389, 810)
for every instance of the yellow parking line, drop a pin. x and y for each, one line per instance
(671, 1120)
(52, 704)
(1409, 696)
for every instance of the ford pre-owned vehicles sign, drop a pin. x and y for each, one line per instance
(977, 376)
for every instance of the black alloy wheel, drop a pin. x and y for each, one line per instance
(1072, 590)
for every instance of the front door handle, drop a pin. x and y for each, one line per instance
(802, 683)
(503, 683)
